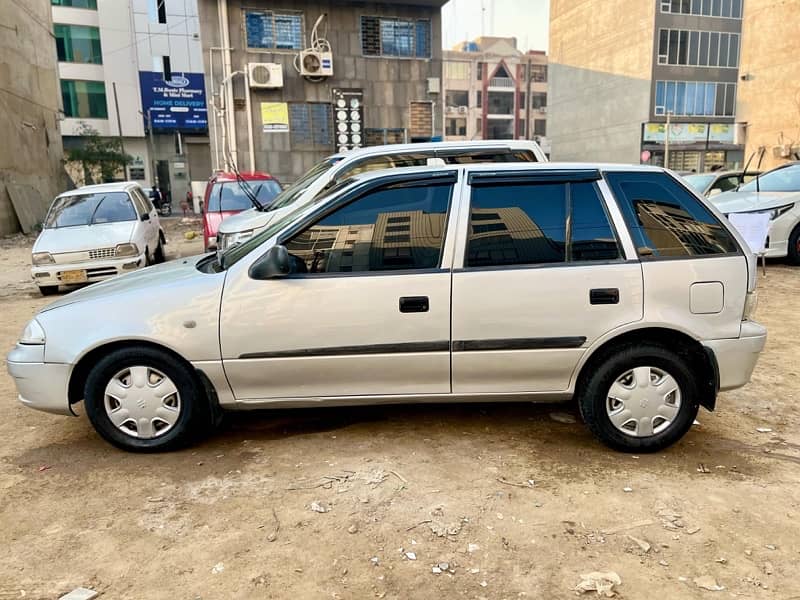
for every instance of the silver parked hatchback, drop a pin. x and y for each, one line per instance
(610, 284)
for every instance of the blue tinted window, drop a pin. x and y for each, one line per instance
(423, 39)
(395, 37)
(665, 219)
(591, 237)
(357, 237)
(670, 102)
(680, 98)
(659, 93)
(272, 30)
(690, 95)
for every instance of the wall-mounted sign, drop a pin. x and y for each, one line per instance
(722, 133)
(175, 105)
(688, 133)
(274, 117)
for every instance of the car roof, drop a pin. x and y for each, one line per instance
(444, 146)
(116, 186)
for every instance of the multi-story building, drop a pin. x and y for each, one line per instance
(620, 69)
(31, 169)
(768, 90)
(492, 90)
(296, 80)
(134, 70)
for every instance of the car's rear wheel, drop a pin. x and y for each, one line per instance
(640, 398)
(48, 290)
(794, 246)
(144, 400)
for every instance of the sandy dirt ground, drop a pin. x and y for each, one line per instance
(505, 501)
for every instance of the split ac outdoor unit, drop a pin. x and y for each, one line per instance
(452, 109)
(316, 64)
(265, 75)
(463, 110)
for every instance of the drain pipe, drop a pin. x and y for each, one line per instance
(222, 7)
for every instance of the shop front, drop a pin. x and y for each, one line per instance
(693, 147)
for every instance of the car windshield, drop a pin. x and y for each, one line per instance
(230, 195)
(699, 183)
(90, 209)
(290, 194)
(782, 179)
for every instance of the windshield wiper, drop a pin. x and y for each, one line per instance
(248, 191)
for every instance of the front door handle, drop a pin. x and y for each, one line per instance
(412, 304)
(604, 296)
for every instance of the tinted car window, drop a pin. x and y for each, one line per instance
(231, 195)
(397, 227)
(665, 219)
(90, 209)
(782, 179)
(526, 223)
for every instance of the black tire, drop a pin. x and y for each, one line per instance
(48, 290)
(194, 420)
(794, 246)
(600, 374)
(158, 256)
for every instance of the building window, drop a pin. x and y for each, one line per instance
(538, 100)
(699, 49)
(695, 98)
(90, 4)
(500, 103)
(78, 44)
(456, 127)
(478, 99)
(731, 9)
(456, 98)
(521, 101)
(539, 73)
(532, 225)
(84, 99)
(456, 70)
(310, 125)
(478, 126)
(403, 38)
(274, 31)
(539, 127)
(479, 71)
(157, 11)
(499, 129)
(423, 208)
(521, 132)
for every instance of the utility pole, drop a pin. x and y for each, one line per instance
(666, 141)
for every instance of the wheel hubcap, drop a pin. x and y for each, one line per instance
(643, 401)
(142, 402)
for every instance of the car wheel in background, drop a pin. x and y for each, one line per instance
(640, 398)
(144, 400)
(158, 255)
(794, 246)
(48, 290)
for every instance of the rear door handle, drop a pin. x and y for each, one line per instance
(604, 296)
(412, 304)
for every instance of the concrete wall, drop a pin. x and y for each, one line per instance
(389, 85)
(769, 100)
(31, 153)
(599, 78)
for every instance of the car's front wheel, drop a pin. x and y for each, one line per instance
(794, 246)
(640, 398)
(48, 290)
(142, 399)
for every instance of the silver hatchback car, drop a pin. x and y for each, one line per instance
(610, 284)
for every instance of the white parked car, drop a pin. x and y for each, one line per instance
(338, 167)
(614, 285)
(776, 192)
(96, 232)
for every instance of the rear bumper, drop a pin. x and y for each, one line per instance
(736, 358)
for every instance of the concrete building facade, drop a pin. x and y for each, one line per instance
(492, 90)
(31, 167)
(133, 69)
(620, 68)
(769, 92)
(294, 81)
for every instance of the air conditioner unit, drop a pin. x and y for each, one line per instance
(265, 75)
(782, 151)
(542, 109)
(452, 109)
(463, 110)
(316, 64)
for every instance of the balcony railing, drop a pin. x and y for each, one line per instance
(503, 82)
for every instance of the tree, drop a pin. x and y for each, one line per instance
(99, 157)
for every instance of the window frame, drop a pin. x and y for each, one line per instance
(412, 21)
(697, 7)
(69, 27)
(62, 81)
(607, 203)
(449, 178)
(280, 12)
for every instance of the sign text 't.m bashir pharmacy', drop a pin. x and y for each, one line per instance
(175, 105)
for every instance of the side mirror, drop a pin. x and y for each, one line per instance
(146, 217)
(274, 264)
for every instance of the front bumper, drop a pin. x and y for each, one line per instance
(736, 358)
(96, 270)
(40, 385)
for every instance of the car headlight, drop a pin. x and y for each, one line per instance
(42, 258)
(126, 250)
(33, 334)
(777, 212)
(228, 240)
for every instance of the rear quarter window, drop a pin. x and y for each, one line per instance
(666, 220)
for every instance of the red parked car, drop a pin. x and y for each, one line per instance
(226, 196)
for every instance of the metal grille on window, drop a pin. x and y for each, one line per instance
(270, 30)
(423, 38)
(310, 125)
(370, 36)
(349, 119)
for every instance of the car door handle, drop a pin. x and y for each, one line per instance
(604, 296)
(413, 304)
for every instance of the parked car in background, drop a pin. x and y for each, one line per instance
(339, 167)
(776, 192)
(226, 195)
(527, 282)
(96, 232)
(711, 184)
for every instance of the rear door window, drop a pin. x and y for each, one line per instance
(665, 220)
